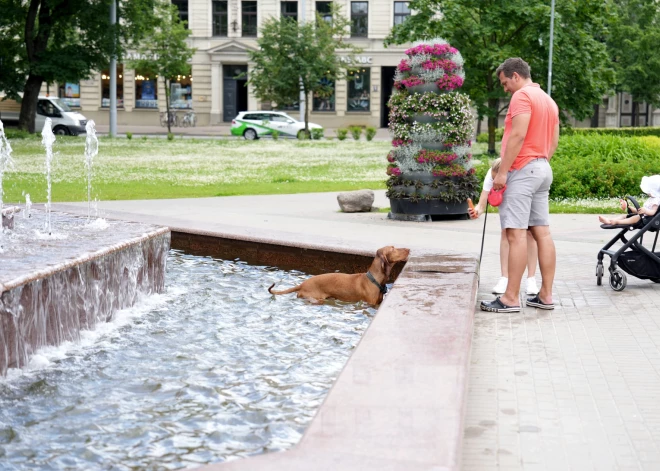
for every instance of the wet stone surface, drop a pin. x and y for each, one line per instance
(215, 368)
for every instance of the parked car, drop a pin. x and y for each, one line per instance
(254, 124)
(65, 121)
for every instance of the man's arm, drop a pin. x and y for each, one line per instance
(555, 142)
(519, 125)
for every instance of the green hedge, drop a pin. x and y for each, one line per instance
(599, 166)
(483, 137)
(625, 132)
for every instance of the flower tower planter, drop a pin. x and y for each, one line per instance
(432, 125)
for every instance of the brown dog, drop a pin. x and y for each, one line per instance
(351, 288)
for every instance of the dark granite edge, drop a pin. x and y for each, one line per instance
(21, 280)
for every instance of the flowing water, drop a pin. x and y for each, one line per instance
(215, 368)
(5, 163)
(48, 139)
(91, 151)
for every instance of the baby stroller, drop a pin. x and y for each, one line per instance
(632, 258)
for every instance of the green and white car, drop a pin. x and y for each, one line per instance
(254, 124)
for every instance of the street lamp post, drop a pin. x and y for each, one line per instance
(552, 40)
(113, 72)
(301, 99)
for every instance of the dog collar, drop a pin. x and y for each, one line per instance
(381, 288)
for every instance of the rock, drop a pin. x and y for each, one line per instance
(356, 201)
(8, 216)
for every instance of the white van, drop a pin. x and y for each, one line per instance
(65, 121)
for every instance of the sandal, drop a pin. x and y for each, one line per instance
(536, 302)
(498, 306)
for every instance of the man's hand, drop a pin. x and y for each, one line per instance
(500, 181)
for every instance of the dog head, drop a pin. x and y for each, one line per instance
(389, 256)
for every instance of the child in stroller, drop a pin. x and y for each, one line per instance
(633, 258)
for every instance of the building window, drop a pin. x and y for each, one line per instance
(359, 19)
(289, 10)
(358, 89)
(249, 23)
(105, 87)
(295, 106)
(324, 10)
(325, 103)
(182, 5)
(401, 12)
(181, 92)
(146, 90)
(69, 93)
(220, 18)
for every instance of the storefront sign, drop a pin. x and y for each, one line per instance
(134, 56)
(356, 60)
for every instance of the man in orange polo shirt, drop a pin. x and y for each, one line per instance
(531, 135)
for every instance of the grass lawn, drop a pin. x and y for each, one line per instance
(154, 168)
(184, 168)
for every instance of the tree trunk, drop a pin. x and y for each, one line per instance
(492, 123)
(306, 113)
(29, 103)
(167, 105)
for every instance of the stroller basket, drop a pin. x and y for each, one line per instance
(632, 257)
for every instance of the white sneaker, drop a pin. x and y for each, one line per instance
(500, 287)
(532, 289)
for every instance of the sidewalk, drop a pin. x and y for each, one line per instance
(575, 388)
(216, 131)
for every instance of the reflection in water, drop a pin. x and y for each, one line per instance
(213, 369)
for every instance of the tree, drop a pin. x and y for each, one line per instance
(61, 41)
(633, 46)
(164, 52)
(489, 31)
(294, 57)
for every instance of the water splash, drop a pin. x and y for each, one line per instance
(48, 139)
(5, 163)
(27, 211)
(91, 151)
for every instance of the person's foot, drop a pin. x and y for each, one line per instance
(500, 287)
(537, 303)
(498, 306)
(531, 288)
(604, 220)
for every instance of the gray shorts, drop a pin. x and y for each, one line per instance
(525, 201)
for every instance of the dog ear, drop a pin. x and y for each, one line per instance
(385, 264)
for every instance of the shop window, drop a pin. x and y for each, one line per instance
(359, 19)
(249, 18)
(324, 102)
(182, 5)
(401, 12)
(324, 10)
(295, 106)
(181, 92)
(146, 90)
(358, 89)
(289, 10)
(220, 18)
(105, 87)
(69, 93)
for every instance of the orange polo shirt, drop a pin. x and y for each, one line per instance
(531, 99)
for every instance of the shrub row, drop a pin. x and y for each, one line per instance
(599, 166)
(624, 132)
(356, 132)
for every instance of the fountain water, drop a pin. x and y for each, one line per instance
(48, 139)
(5, 163)
(91, 150)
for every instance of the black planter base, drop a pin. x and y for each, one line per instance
(403, 208)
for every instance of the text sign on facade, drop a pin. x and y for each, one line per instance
(356, 60)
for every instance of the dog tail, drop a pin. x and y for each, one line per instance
(286, 291)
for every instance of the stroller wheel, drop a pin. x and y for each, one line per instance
(618, 280)
(599, 274)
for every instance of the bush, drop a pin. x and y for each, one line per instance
(356, 132)
(170, 136)
(600, 166)
(317, 133)
(483, 137)
(624, 132)
(341, 133)
(129, 135)
(19, 134)
(275, 134)
(370, 133)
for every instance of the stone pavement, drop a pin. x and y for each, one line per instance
(574, 388)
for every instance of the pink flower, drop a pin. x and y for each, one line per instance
(449, 82)
(404, 66)
(412, 81)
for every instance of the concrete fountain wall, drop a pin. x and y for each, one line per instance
(53, 287)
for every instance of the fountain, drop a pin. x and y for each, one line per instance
(91, 150)
(5, 163)
(55, 284)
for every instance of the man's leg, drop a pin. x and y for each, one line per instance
(517, 262)
(547, 261)
(532, 255)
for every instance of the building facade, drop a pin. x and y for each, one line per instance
(223, 32)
